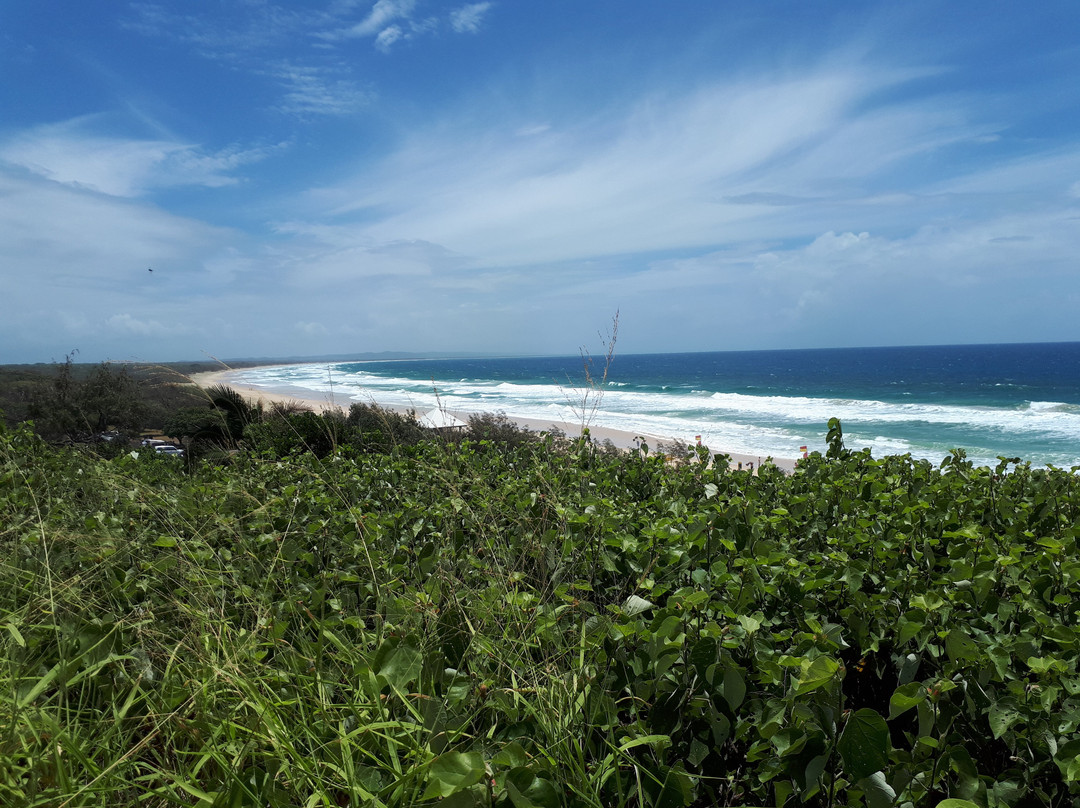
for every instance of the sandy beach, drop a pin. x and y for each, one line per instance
(620, 438)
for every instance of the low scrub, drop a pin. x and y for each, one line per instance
(436, 623)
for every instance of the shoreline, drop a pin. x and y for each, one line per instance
(620, 438)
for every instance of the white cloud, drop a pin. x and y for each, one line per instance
(467, 19)
(1039, 173)
(391, 21)
(234, 31)
(314, 91)
(339, 264)
(128, 325)
(382, 14)
(57, 232)
(650, 177)
(255, 36)
(978, 253)
(730, 203)
(74, 268)
(67, 153)
(387, 37)
(780, 159)
(314, 329)
(110, 166)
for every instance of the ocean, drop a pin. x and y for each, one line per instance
(1017, 400)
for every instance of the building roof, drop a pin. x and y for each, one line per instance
(441, 419)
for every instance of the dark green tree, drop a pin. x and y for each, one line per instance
(73, 407)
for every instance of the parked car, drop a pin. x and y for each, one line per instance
(169, 449)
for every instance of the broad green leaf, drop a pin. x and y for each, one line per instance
(908, 669)
(864, 745)
(810, 778)
(675, 792)
(749, 623)
(695, 599)
(905, 697)
(528, 790)
(953, 802)
(634, 605)
(879, 794)
(928, 601)
(706, 652)
(1001, 718)
(452, 772)
(960, 647)
(466, 798)
(734, 688)
(1008, 792)
(698, 752)
(909, 629)
(1068, 760)
(788, 741)
(1044, 664)
(402, 666)
(818, 673)
(511, 756)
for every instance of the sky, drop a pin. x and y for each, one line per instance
(250, 178)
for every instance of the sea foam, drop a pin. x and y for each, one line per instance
(729, 420)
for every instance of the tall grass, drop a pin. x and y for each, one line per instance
(543, 624)
(290, 632)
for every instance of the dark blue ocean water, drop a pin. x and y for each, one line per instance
(991, 400)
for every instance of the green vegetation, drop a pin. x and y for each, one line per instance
(350, 612)
(75, 403)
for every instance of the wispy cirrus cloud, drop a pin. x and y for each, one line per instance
(72, 154)
(63, 233)
(799, 195)
(255, 37)
(719, 164)
(391, 21)
(381, 17)
(468, 19)
(235, 30)
(388, 36)
(129, 325)
(261, 39)
(308, 90)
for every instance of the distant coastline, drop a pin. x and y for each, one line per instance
(620, 438)
(1005, 400)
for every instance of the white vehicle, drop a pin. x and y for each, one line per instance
(154, 442)
(169, 449)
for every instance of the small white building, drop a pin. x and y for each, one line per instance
(441, 419)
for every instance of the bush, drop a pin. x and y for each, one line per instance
(496, 427)
(298, 432)
(377, 429)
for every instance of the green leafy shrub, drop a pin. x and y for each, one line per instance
(376, 428)
(439, 624)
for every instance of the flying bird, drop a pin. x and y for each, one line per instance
(149, 269)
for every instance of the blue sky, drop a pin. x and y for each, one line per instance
(344, 176)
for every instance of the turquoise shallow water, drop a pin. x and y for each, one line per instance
(991, 400)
